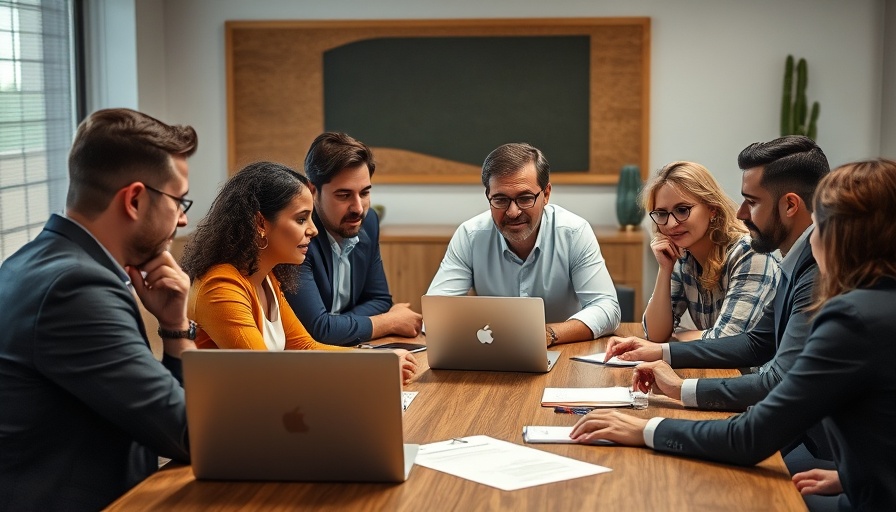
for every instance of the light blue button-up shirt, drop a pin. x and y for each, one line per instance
(342, 270)
(566, 269)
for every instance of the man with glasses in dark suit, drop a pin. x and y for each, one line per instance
(87, 410)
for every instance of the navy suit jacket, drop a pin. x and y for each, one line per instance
(370, 293)
(779, 337)
(845, 376)
(85, 409)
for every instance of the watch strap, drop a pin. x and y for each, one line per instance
(189, 334)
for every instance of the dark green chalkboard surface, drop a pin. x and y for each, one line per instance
(458, 98)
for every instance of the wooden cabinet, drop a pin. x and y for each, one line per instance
(411, 256)
(412, 253)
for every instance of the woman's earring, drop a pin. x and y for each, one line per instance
(263, 239)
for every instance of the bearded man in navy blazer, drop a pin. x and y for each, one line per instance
(343, 297)
(86, 408)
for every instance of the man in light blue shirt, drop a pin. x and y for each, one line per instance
(525, 247)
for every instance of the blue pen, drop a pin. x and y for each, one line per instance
(573, 410)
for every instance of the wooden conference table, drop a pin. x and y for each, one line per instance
(456, 404)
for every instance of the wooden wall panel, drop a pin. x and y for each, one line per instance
(275, 91)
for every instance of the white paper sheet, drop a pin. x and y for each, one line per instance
(406, 398)
(595, 397)
(599, 359)
(553, 435)
(501, 464)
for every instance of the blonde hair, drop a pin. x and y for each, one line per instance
(854, 210)
(694, 180)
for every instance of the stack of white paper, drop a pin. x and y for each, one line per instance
(587, 397)
(599, 359)
(553, 435)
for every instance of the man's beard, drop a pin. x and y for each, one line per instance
(770, 240)
(518, 236)
(146, 247)
(349, 232)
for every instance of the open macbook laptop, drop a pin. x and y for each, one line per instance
(486, 333)
(303, 416)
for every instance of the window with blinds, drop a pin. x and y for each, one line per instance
(37, 115)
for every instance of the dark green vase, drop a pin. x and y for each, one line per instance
(628, 208)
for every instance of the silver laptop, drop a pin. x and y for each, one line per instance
(303, 416)
(486, 333)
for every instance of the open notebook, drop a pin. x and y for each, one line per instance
(587, 397)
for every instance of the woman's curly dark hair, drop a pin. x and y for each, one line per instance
(229, 234)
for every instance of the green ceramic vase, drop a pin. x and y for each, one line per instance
(628, 208)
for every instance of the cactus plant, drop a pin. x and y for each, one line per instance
(628, 208)
(794, 111)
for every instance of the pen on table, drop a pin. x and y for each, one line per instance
(573, 410)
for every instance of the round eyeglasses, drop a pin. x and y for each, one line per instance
(681, 214)
(523, 202)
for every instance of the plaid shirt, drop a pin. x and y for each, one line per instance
(747, 283)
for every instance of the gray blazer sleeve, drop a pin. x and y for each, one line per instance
(824, 378)
(86, 341)
(845, 376)
(741, 392)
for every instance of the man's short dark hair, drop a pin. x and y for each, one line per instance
(331, 152)
(793, 163)
(116, 147)
(510, 158)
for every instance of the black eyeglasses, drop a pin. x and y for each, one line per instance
(681, 214)
(184, 203)
(523, 202)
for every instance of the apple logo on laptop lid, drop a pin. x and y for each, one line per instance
(485, 335)
(294, 421)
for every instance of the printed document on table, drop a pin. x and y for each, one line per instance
(501, 464)
(599, 359)
(587, 397)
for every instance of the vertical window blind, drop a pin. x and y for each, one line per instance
(37, 115)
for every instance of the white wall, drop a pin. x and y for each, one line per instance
(888, 100)
(715, 86)
(111, 56)
(151, 73)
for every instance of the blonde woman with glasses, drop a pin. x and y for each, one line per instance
(844, 376)
(706, 265)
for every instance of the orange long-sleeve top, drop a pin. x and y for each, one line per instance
(229, 314)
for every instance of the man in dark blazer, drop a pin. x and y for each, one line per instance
(343, 297)
(86, 408)
(843, 377)
(779, 180)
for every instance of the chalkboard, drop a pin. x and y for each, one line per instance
(458, 98)
(434, 97)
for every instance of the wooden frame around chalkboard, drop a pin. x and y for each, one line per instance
(275, 91)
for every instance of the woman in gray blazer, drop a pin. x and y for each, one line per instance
(846, 374)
